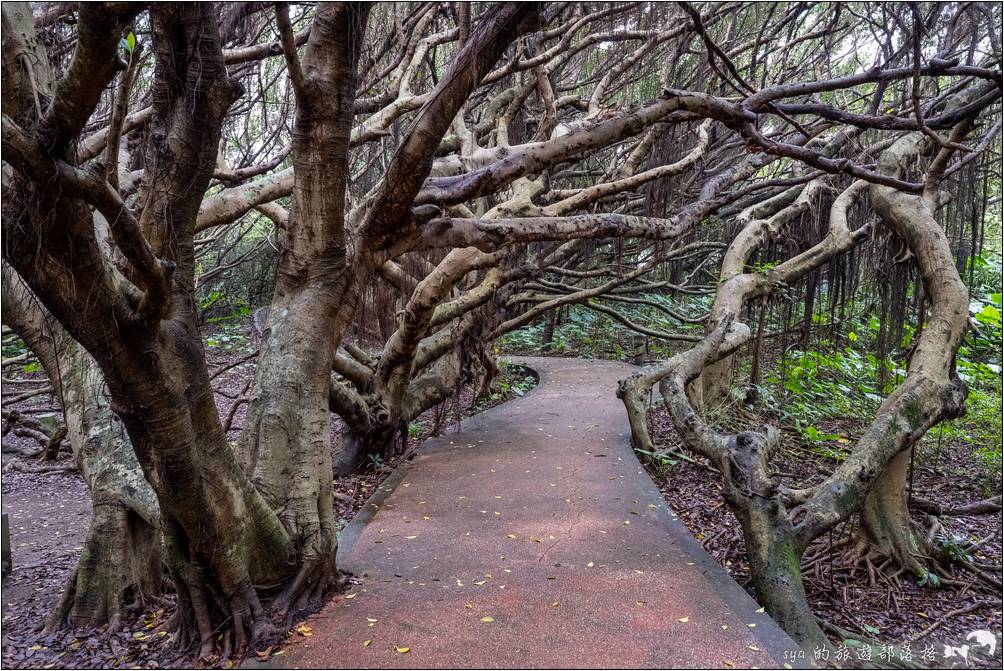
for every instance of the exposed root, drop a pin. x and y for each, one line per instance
(314, 582)
(117, 575)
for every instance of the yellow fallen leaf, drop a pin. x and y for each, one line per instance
(379, 540)
(729, 664)
(753, 648)
(589, 565)
(510, 536)
(639, 603)
(370, 619)
(488, 618)
(480, 582)
(683, 619)
(555, 604)
(637, 571)
(426, 517)
(351, 596)
(468, 605)
(725, 627)
(367, 642)
(411, 537)
(305, 630)
(759, 610)
(751, 625)
(402, 649)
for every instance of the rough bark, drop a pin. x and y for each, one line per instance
(885, 517)
(119, 571)
(124, 292)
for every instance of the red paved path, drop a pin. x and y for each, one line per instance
(538, 516)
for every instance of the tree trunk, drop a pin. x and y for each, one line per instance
(547, 338)
(119, 570)
(774, 555)
(773, 548)
(886, 526)
(286, 444)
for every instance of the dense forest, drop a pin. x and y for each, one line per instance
(255, 253)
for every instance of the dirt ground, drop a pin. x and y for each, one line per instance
(49, 514)
(886, 610)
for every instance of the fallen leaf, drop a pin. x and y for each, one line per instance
(729, 664)
(352, 596)
(759, 610)
(263, 655)
(411, 537)
(367, 642)
(725, 627)
(305, 629)
(370, 619)
(468, 605)
(589, 565)
(684, 619)
(753, 648)
(751, 625)
(488, 618)
(513, 536)
(402, 649)
(555, 604)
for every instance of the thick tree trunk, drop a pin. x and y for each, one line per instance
(886, 526)
(772, 546)
(774, 555)
(286, 444)
(120, 569)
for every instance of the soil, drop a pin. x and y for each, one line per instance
(49, 513)
(884, 609)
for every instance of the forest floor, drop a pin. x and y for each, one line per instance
(889, 611)
(50, 513)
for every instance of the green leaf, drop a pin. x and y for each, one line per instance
(131, 42)
(989, 315)
(852, 336)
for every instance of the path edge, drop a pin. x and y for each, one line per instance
(353, 531)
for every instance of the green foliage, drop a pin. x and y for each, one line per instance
(820, 386)
(588, 333)
(229, 336)
(511, 381)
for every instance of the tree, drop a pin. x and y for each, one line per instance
(474, 169)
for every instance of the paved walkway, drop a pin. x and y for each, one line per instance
(533, 538)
